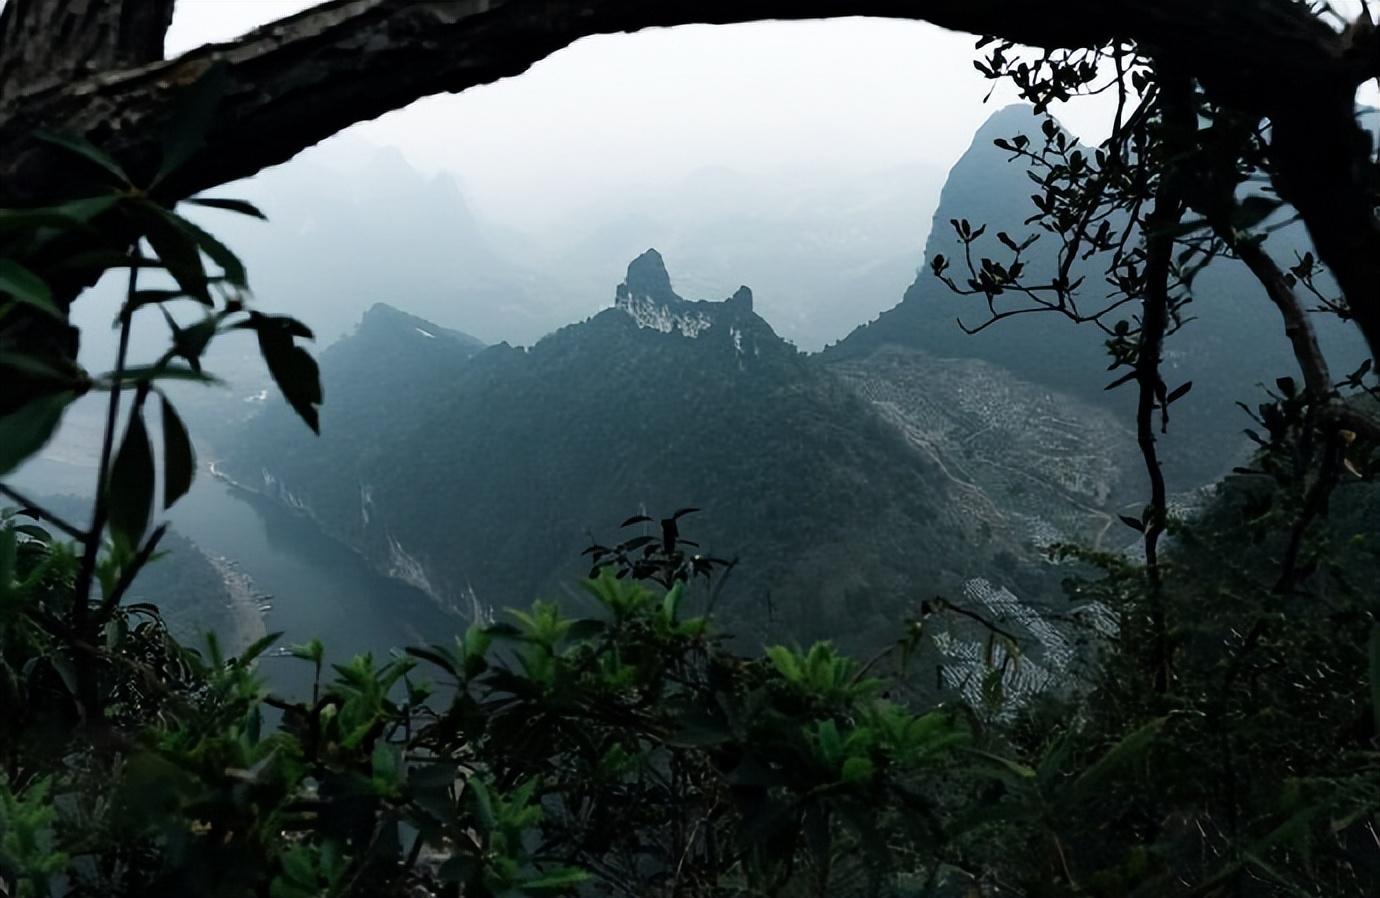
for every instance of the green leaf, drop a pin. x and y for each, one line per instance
(28, 288)
(483, 803)
(243, 207)
(1124, 752)
(131, 486)
(1022, 772)
(308, 651)
(36, 367)
(259, 646)
(670, 605)
(555, 882)
(68, 216)
(194, 111)
(27, 429)
(857, 770)
(830, 742)
(387, 762)
(80, 146)
(179, 458)
(784, 660)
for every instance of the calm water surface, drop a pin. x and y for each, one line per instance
(316, 586)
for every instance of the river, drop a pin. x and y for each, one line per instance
(315, 586)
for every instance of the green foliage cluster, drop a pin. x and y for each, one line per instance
(727, 775)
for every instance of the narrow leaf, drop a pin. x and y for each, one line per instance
(28, 288)
(80, 146)
(243, 207)
(293, 370)
(179, 458)
(131, 486)
(1178, 393)
(27, 429)
(1124, 752)
(177, 249)
(219, 253)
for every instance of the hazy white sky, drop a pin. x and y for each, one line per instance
(610, 114)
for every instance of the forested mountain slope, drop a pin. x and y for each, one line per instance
(489, 475)
(1234, 341)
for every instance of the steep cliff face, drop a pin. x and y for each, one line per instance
(1051, 467)
(1233, 342)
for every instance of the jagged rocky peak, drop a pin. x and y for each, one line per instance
(647, 297)
(741, 300)
(647, 277)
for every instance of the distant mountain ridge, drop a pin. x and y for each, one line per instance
(491, 474)
(1234, 342)
(907, 459)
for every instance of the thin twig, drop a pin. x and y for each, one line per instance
(86, 686)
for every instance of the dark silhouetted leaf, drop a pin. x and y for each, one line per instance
(179, 459)
(293, 369)
(87, 150)
(1178, 392)
(28, 288)
(1125, 378)
(219, 253)
(1255, 209)
(243, 207)
(177, 249)
(258, 647)
(130, 491)
(27, 429)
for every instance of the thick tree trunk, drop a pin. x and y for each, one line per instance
(296, 82)
(47, 43)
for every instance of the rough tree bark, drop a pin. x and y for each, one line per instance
(47, 43)
(297, 81)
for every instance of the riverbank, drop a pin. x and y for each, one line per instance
(243, 603)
